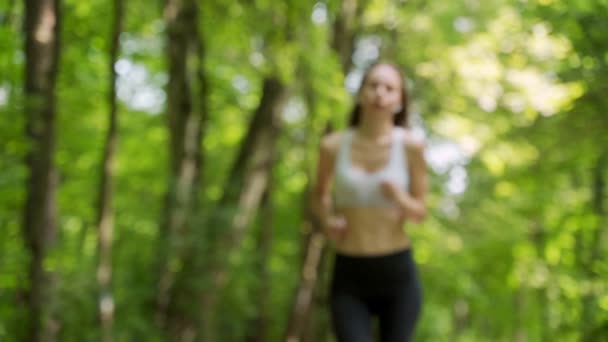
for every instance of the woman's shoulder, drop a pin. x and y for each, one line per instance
(331, 141)
(410, 139)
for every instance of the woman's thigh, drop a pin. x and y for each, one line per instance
(400, 312)
(351, 318)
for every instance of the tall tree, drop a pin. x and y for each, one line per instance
(205, 270)
(263, 320)
(186, 115)
(105, 213)
(346, 28)
(598, 183)
(42, 45)
(244, 189)
(232, 214)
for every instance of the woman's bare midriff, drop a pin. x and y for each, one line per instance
(372, 232)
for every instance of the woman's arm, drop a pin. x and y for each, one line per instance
(321, 199)
(412, 203)
(321, 196)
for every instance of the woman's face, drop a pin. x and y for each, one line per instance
(380, 94)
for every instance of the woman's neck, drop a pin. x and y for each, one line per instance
(374, 130)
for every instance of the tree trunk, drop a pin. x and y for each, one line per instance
(42, 19)
(343, 41)
(519, 333)
(538, 236)
(306, 286)
(105, 215)
(345, 30)
(186, 116)
(205, 266)
(245, 186)
(589, 298)
(460, 318)
(263, 321)
(299, 328)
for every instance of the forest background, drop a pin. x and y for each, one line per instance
(156, 159)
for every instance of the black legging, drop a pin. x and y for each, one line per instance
(385, 286)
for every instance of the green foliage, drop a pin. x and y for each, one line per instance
(514, 91)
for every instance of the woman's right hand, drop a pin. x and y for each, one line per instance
(335, 227)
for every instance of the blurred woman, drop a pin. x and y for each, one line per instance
(372, 180)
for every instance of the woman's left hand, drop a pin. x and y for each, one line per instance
(409, 207)
(412, 201)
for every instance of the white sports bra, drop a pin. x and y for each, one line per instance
(355, 187)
